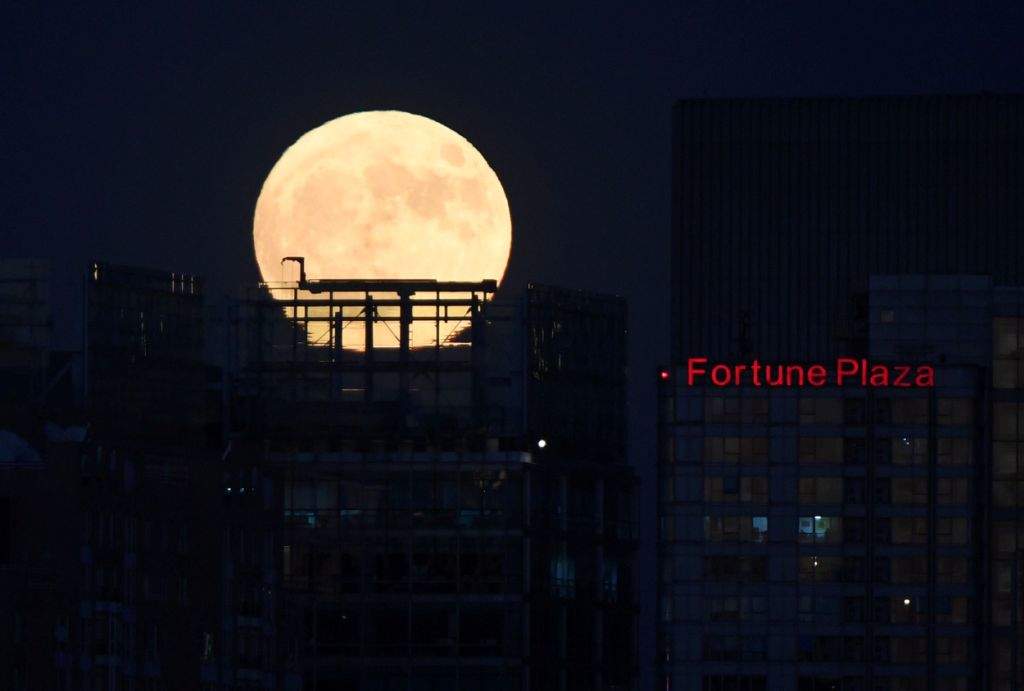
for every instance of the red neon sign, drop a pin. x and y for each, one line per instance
(845, 372)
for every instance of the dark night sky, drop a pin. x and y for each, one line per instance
(143, 136)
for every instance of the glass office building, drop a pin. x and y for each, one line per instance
(844, 538)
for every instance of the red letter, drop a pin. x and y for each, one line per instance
(925, 376)
(845, 367)
(879, 376)
(717, 369)
(739, 374)
(816, 375)
(799, 370)
(755, 372)
(691, 371)
(902, 372)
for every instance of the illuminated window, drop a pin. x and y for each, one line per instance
(820, 529)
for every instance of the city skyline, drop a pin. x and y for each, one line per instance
(141, 139)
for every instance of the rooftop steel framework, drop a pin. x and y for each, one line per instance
(360, 353)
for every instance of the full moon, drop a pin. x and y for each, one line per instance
(383, 194)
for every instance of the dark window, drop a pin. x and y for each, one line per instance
(820, 684)
(882, 610)
(853, 411)
(854, 451)
(882, 452)
(5, 530)
(854, 487)
(734, 682)
(881, 649)
(854, 570)
(882, 491)
(853, 529)
(882, 531)
(883, 411)
(853, 610)
(731, 568)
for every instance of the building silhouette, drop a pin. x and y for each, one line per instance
(109, 499)
(330, 508)
(448, 517)
(849, 538)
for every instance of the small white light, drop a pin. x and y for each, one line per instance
(541, 443)
(906, 601)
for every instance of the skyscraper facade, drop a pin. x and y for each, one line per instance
(844, 537)
(447, 515)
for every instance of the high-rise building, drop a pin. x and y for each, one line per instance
(339, 511)
(453, 516)
(784, 207)
(846, 538)
(120, 562)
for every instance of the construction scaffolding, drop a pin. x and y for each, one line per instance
(341, 357)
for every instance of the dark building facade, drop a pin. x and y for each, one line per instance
(443, 520)
(844, 538)
(335, 510)
(784, 207)
(122, 564)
